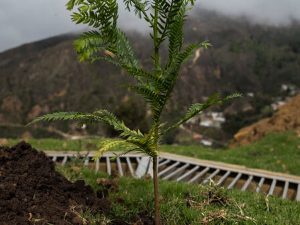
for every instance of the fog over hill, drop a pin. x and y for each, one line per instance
(26, 21)
(263, 12)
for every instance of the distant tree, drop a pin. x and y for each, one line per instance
(108, 42)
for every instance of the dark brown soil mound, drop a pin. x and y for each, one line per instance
(32, 192)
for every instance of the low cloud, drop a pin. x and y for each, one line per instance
(31, 20)
(270, 12)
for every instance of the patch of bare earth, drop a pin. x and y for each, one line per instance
(285, 119)
(32, 192)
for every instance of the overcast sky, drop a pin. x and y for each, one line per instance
(25, 21)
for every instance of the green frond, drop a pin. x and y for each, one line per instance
(148, 93)
(108, 145)
(232, 96)
(63, 116)
(107, 58)
(153, 137)
(175, 33)
(173, 67)
(156, 82)
(102, 15)
(197, 108)
(155, 99)
(153, 89)
(140, 8)
(189, 51)
(89, 45)
(144, 146)
(138, 73)
(177, 60)
(93, 46)
(88, 13)
(168, 13)
(70, 4)
(110, 119)
(150, 142)
(123, 50)
(138, 145)
(103, 116)
(169, 17)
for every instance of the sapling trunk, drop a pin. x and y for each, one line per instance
(156, 192)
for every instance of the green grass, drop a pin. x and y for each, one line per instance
(279, 152)
(50, 144)
(188, 204)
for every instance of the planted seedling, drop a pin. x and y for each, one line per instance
(108, 42)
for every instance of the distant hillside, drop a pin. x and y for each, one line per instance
(286, 119)
(45, 76)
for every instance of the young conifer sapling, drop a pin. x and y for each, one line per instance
(106, 41)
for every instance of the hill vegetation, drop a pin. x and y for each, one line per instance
(45, 76)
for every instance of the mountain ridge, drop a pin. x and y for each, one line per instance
(45, 76)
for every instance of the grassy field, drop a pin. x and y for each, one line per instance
(279, 152)
(182, 204)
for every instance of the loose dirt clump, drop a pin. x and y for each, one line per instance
(285, 119)
(32, 192)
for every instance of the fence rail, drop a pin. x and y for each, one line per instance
(186, 169)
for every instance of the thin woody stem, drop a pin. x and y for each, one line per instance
(156, 193)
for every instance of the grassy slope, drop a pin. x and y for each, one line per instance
(189, 204)
(277, 152)
(50, 144)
